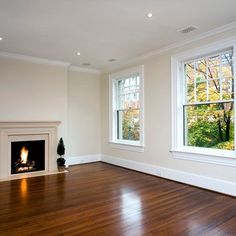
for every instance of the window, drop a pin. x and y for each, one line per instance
(203, 104)
(209, 102)
(126, 110)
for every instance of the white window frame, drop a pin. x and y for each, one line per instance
(208, 155)
(125, 144)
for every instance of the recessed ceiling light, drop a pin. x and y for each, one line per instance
(149, 14)
(1, 38)
(78, 53)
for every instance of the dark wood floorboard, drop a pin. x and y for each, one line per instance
(101, 199)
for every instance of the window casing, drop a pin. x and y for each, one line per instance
(126, 107)
(202, 93)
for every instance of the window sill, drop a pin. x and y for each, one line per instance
(127, 146)
(219, 157)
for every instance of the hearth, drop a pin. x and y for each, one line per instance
(27, 156)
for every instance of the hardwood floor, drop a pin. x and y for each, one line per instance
(101, 199)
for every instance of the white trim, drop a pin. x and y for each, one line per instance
(33, 59)
(45, 61)
(32, 174)
(206, 49)
(85, 70)
(218, 185)
(212, 158)
(177, 147)
(118, 65)
(28, 124)
(76, 160)
(127, 146)
(133, 165)
(167, 48)
(112, 122)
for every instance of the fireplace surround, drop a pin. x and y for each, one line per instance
(24, 134)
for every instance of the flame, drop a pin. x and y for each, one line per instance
(24, 155)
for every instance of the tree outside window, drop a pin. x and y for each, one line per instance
(209, 102)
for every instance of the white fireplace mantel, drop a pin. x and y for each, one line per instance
(27, 130)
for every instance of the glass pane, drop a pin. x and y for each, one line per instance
(190, 93)
(214, 61)
(201, 66)
(214, 72)
(227, 89)
(227, 71)
(226, 58)
(128, 93)
(189, 72)
(209, 125)
(121, 86)
(200, 71)
(121, 102)
(138, 80)
(201, 92)
(214, 90)
(128, 125)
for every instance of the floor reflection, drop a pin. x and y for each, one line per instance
(23, 188)
(131, 207)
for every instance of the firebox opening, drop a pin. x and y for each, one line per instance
(27, 156)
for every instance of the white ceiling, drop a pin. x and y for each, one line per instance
(104, 29)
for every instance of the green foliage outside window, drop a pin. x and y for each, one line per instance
(209, 107)
(131, 125)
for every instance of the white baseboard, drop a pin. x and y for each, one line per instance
(213, 184)
(82, 159)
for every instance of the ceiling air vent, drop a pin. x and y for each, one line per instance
(112, 60)
(86, 64)
(188, 29)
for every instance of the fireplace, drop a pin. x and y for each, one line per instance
(28, 149)
(27, 156)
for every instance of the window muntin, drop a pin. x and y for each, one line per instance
(208, 107)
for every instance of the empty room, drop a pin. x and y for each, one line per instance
(117, 117)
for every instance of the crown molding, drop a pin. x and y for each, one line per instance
(33, 59)
(127, 62)
(39, 60)
(85, 70)
(162, 50)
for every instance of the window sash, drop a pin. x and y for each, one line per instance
(119, 134)
(195, 104)
(123, 93)
(208, 79)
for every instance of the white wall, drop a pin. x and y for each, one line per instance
(157, 92)
(31, 91)
(84, 123)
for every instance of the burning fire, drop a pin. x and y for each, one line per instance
(24, 155)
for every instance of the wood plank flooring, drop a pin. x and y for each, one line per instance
(101, 199)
